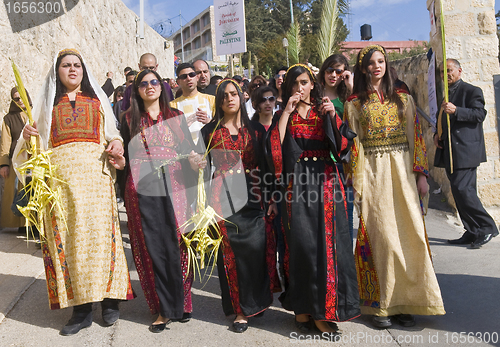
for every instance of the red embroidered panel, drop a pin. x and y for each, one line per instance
(276, 151)
(50, 274)
(369, 289)
(331, 261)
(79, 124)
(309, 128)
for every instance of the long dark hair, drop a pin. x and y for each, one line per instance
(137, 110)
(290, 77)
(219, 100)
(363, 85)
(331, 61)
(85, 86)
(257, 99)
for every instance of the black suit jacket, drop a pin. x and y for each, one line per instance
(466, 125)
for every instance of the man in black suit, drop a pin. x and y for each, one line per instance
(467, 113)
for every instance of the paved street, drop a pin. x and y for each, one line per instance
(469, 280)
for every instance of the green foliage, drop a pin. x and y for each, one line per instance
(409, 53)
(268, 22)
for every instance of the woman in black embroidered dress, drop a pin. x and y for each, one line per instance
(156, 198)
(236, 153)
(320, 277)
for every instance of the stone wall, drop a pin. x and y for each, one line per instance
(104, 31)
(470, 34)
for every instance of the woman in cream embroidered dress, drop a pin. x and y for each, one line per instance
(389, 168)
(85, 263)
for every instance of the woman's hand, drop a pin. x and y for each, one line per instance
(29, 131)
(326, 107)
(115, 148)
(287, 111)
(115, 154)
(118, 161)
(196, 161)
(422, 186)
(292, 103)
(272, 210)
(348, 80)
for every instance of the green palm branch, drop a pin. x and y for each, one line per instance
(329, 28)
(293, 37)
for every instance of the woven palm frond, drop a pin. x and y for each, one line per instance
(41, 196)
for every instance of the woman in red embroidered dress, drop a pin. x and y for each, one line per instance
(320, 277)
(236, 194)
(155, 197)
(85, 263)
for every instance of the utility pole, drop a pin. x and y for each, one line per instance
(182, 39)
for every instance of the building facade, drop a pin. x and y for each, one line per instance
(198, 40)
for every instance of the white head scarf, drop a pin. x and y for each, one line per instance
(44, 104)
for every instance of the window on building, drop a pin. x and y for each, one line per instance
(207, 37)
(206, 19)
(196, 26)
(186, 34)
(197, 43)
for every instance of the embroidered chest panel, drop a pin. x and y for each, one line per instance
(79, 124)
(157, 135)
(381, 124)
(310, 128)
(227, 153)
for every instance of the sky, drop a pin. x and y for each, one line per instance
(391, 20)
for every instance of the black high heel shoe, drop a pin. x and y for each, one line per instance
(240, 327)
(304, 327)
(158, 328)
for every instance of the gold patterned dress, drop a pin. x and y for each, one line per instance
(86, 262)
(393, 260)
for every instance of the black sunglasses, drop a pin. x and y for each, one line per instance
(16, 99)
(144, 84)
(185, 75)
(268, 98)
(329, 70)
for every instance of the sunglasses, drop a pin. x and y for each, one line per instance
(279, 76)
(185, 75)
(144, 84)
(16, 99)
(268, 98)
(330, 70)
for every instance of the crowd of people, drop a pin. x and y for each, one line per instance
(283, 161)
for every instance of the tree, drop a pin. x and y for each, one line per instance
(268, 22)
